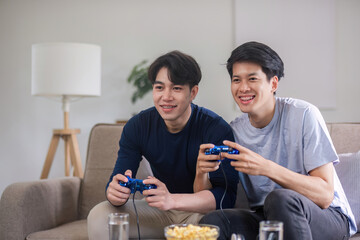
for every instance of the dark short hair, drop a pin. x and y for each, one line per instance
(258, 53)
(182, 68)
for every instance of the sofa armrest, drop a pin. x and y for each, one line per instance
(27, 207)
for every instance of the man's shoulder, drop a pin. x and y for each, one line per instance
(146, 113)
(210, 125)
(240, 119)
(202, 111)
(298, 112)
(298, 107)
(293, 103)
(143, 117)
(205, 115)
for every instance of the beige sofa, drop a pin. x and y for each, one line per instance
(57, 208)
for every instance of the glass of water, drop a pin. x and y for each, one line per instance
(271, 230)
(118, 226)
(237, 236)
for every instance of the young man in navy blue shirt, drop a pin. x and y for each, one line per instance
(168, 135)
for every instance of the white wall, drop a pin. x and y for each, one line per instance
(128, 32)
(347, 63)
(301, 47)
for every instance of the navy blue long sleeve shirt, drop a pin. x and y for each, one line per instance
(173, 157)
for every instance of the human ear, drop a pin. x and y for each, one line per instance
(274, 81)
(194, 91)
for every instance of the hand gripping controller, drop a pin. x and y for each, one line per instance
(219, 149)
(136, 185)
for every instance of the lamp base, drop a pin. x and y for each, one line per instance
(72, 152)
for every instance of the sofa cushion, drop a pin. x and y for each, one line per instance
(348, 171)
(345, 136)
(101, 156)
(71, 231)
(27, 207)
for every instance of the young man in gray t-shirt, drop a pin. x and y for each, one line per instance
(286, 160)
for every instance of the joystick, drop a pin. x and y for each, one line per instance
(219, 149)
(136, 185)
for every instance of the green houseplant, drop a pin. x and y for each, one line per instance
(139, 79)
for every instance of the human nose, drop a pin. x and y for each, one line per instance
(244, 86)
(167, 94)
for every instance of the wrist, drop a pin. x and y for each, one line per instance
(174, 205)
(201, 175)
(268, 169)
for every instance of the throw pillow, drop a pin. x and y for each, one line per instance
(348, 170)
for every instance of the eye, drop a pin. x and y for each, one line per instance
(177, 88)
(235, 80)
(253, 79)
(158, 87)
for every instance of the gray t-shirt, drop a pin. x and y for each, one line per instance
(296, 138)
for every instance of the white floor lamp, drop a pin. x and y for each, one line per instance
(66, 70)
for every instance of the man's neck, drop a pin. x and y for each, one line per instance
(264, 117)
(175, 128)
(179, 124)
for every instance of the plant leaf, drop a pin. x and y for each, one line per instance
(139, 79)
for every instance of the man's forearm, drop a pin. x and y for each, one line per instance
(318, 186)
(202, 182)
(200, 202)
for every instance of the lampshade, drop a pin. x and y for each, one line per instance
(66, 69)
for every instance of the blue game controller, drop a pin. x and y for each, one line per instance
(136, 185)
(219, 149)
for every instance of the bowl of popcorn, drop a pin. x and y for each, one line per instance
(191, 232)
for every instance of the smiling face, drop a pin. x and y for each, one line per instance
(253, 92)
(173, 102)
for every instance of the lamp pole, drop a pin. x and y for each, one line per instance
(72, 153)
(66, 109)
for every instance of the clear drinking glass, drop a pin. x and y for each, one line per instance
(237, 236)
(271, 230)
(118, 226)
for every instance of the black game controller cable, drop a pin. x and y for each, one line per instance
(223, 196)
(136, 185)
(221, 202)
(137, 216)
